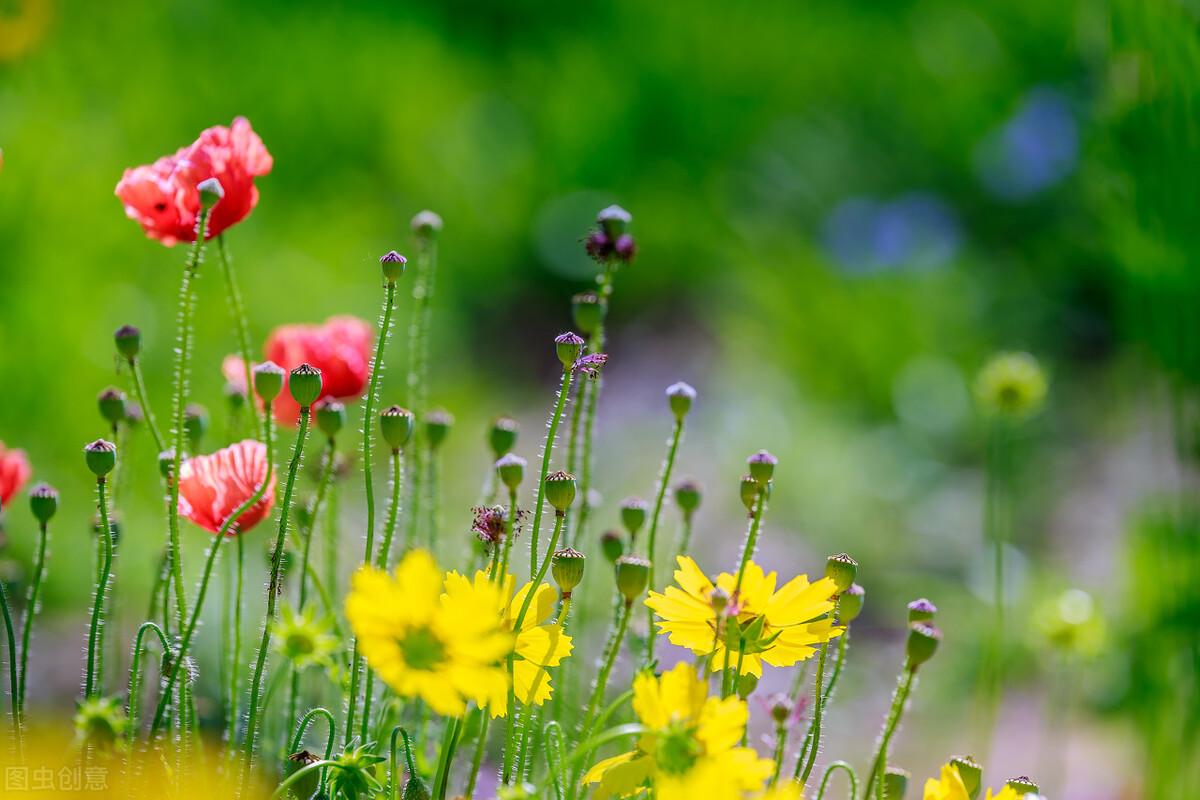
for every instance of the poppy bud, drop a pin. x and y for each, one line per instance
(331, 416)
(687, 496)
(614, 221)
(749, 492)
(304, 383)
(612, 546)
(43, 502)
(718, 598)
(111, 403)
(560, 490)
(680, 396)
(895, 783)
(633, 515)
(588, 312)
(511, 469)
(396, 424)
(762, 466)
(437, 427)
(971, 773)
(166, 462)
(921, 610)
(211, 192)
(268, 380)
(503, 435)
(567, 567)
(393, 266)
(235, 396)
(850, 603)
(625, 248)
(842, 570)
(195, 424)
(923, 640)
(781, 708)
(129, 341)
(1022, 785)
(746, 684)
(101, 457)
(632, 574)
(598, 245)
(569, 347)
(426, 224)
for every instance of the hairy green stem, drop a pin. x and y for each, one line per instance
(899, 699)
(850, 773)
(441, 778)
(139, 389)
(235, 653)
(31, 604)
(12, 665)
(95, 654)
(477, 758)
(760, 509)
(818, 713)
(135, 670)
(243, 329)
(564, 389)
(664, 480)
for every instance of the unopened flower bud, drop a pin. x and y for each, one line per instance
(633, 515)
(842, 570)
(1022, 785)
(305, 383)
(921, 610)
(569, 347)
(625, 248)
(426, 224)
(195, 424)
(268, 380)
(43, 502)
(235, 396)
(718, 598)
(129, 341)
(101, 457)
(166, 462)
(850, 603)
(598, 245)
(895, 783)
(614, 221)
(588, 312)
(503, 435)
(396, 425)
(632, 574)
(680, 397)
(781, 707)
(111, 403)
(923, 640)
(567, 567)
(612, 545)
(392, 264)
(511, 469)
(971, 773)
(687, 496)
(560, 490)
(331, 416)
(748, 489)
(437, 426)
(762, 466)
(211, 192)
(746, 684)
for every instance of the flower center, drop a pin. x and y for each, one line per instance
(421, 649)
(677, 749)
(300, 643)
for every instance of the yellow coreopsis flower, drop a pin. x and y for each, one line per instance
(796, 617)
(689, 746)
(949, 786)
(440, 640)
(539, 644)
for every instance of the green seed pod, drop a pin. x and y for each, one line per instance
(895, 783)
(331, 416)
(396, 424)
(748, 489)
(971, 773)
(437, 426)
(268, 380)
(43, 502)
(850, 603)
(211, 192)
(235, 397)
(633, 572)
(567, 568)
(612, 545)
(762, 466)
(503, 435)
(128, 340)
(1022, 785)
(680, 396)
(392, 264)
(633, 515)
(111, 403)
(511, 469)
(560, 490)
(921, 610)
(569, 347)
(842, 570)
(687, 496)
(101, 457)
(614, 221)
(195, 425)
(588, 312)
(426, 224)
(923, 640)
(304, 383)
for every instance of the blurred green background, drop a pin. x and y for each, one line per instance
(841, 209)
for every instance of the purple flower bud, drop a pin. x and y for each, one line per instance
(921, 610)
(393, 265)
(598, 246)
(625, 248)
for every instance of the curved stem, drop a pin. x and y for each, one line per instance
(899, 699)
(300, 773)
(394, 783)
(850, 773)
(243, 328)
(252, 720)
(306, 721)
(818, 713)
(139, 388)
(95, 655)
(31, 603)
(564, 389)
(664, 479)
(135, 670)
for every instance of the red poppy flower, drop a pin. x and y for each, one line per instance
(340, 348)
(14, 472)
(162, 197)
(212, 487)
